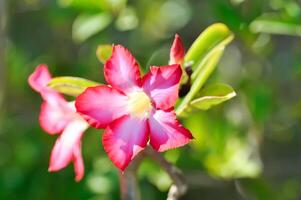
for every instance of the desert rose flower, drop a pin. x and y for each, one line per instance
(134, 110)
(59, 117)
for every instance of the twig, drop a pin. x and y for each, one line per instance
(179, 186)
(129, 188)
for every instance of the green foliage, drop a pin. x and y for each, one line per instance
(87, 25)
(271, 23)
(214, 37)
(103, 52)
(127, 20)
(212, 95)
(72, 86)
(209, 64)
(203, 57)
(259, 130)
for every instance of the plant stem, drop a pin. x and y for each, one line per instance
(129, 187)
(179, 186)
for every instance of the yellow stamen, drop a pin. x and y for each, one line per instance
(139, 104)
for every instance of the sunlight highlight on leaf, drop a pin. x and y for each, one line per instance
(87, 25)
(213, 95)
(69, 85)
(210, 63)
(216, 35)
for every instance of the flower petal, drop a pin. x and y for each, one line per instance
(67, 148)
(162, 85)
(55, 110)
(177, 51)
(101, 105)
(124, 139)
(166, 132)
(121, 70)
(39, 79)
(79, 168)
(54, 117)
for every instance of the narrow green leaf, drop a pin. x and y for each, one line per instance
(214, 36)
(104, 52)
(275, 26)
(207, 65)
(86, 25)
(204, 54)
(69, 85)
(213, 95)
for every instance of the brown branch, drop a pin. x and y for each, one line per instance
(179, 186)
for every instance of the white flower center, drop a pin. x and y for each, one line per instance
(139, 104)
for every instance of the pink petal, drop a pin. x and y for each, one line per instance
(121, 70)
(67, 148)
(39, 79)
(54, 117)
(79, 168)
(162, 85)
(56, 112)
(101, 105)
(166, 132)
(177, 51)
(124, 139)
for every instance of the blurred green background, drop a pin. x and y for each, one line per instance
(247, 148)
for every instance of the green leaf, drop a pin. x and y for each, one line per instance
(104, 52)
(238, 159)
(87, 5)
(127, 19)
(87, 25)
(213, 95)
(216, 35)
(204, 55)
(207, 66)
(274, 25)
(69, 85)
(114, 6)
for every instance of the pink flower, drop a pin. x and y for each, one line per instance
(134, 110)
(59, 117)
(177, 51)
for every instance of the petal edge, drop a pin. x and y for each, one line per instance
(101, 105)
(124, 139)
(122, 70)
(166, 132)
(162, 85)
